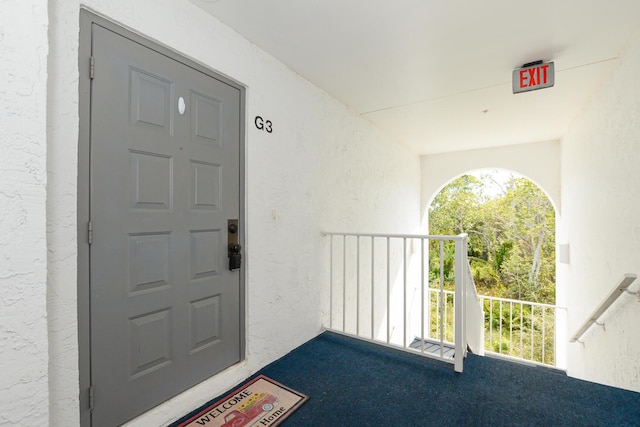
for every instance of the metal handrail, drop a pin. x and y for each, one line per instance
(618, 289)
(398, 236)
(517, 301)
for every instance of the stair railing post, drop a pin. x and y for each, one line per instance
(460, 252)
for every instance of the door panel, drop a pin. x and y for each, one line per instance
(165, 310)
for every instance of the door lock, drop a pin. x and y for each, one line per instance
(233, 248)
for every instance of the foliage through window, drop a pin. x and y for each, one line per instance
(511, 228)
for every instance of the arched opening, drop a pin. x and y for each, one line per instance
(511, 224)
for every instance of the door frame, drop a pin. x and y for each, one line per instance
(87, 19)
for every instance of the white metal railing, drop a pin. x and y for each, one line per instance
(379, 291)
(520, 329)
(620, 288)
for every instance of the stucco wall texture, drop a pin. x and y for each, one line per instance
(323, 168)
(601, 223)
(23, 251)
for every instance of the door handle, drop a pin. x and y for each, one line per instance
(233, 247)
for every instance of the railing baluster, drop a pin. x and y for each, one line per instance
(532, 328)
(521, 327)
(484, 321)
(438, 317)
(425, 258)
(331, 282)
(422, 295)
(543, 342)
(344, 283)
(442, 306)
(500, 336)
(491, 323)
(358, 285)
(388, 292)
(373, 263)
(445, 318)
(510, 327)
(555, 334)
(459, 303)
(404, 292)
(463, 301)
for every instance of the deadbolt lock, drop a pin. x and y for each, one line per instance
(233, 247)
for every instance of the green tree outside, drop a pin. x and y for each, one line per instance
(511, 250)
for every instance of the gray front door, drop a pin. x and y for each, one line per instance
(165, 179)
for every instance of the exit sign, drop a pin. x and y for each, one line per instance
(537, 75)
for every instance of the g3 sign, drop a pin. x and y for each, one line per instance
(263, 124)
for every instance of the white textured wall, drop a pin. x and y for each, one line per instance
(539, 162)
(601, 223)
(321, 168)
(62, 154)
(23, 251)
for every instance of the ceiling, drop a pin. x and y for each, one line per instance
(436, 74)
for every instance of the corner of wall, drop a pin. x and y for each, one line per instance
(601, 206)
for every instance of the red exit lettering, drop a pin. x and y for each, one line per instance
(534, 76)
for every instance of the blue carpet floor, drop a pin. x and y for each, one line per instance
(352, 383)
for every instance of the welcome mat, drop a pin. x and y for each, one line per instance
(260, 402)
